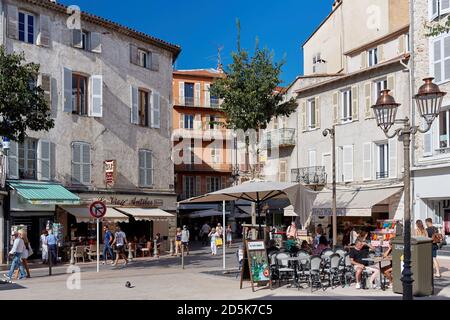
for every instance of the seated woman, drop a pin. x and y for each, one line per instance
(291, 245)
(387, 270)
(323, 244)
(306, 247)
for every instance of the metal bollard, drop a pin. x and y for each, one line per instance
(182, 256)
(171, 247)
(130, 254)
(155, 248)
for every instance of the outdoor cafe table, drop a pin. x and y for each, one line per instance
(379, 260)
(295, 261)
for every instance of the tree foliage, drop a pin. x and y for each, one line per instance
(248, 90)
(22, 103)
(435, 29)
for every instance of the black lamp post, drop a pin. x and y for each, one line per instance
(429, 101)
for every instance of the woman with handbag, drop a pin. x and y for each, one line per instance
(213, 235)
(434, 234)
(25, 254)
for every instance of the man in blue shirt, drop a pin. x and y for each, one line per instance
(51, 242)
(107, 240)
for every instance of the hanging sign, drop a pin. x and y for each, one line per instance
(110, 171)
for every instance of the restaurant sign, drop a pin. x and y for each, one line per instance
(133, 202)
(110, 172)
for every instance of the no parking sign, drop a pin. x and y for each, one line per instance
(97, 209)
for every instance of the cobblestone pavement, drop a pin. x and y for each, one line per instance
(202, 279)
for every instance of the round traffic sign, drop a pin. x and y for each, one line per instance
(97, 209)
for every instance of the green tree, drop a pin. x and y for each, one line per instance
(248, 90)
(22, 103)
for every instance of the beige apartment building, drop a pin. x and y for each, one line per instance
(360, 49)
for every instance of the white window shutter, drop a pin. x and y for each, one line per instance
(402, 44)
(45, 82)
(312, 158)
(154, 61)
(13, 22)
(197, 94)
(317, 110)
(76, 163)
(13, 161)
(86, 159)
(433, 10)
(148, 168)
(156, 110)
(355, 103)
(96, 109)
(303, 117)
(380, 53)
(181, 93)
(44, 159)
(134, 105)
(44, 32)
(67, 83)
(181, 121)
(446, 58)
(207, 95)
(393, 158)
(428, 144)
(96, 42)
(363, 59)
(77, 39)
(368, 100)
(437, 60)
(445, 5)
(391, 84)
(198, 122)
(347, 159)
(142, 172)
(367, 161)
(134, 54)
(207, 122)
(335, 107)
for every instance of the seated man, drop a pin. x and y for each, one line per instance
(357, 254)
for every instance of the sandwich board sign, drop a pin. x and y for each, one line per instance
(255, 266)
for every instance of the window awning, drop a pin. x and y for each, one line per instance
(82, 214)
(352, 203)
(207, 213)
(146, 214)
(289, 212)
(44, 193)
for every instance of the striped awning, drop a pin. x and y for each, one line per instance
(44, 193)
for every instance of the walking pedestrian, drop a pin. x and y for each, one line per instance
(51, 242)
(213, 235)
(205, 230)
(158, 244)
(219, 230)
(44, 246)
(27, 252)
(229, 233)
(185, 239)
(16, 252)
(108, 238)
(178, 242)
(420, 229)
(120, 240)
(434, 234)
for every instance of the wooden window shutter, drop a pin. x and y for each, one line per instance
(44, 32)
(96, 107)
(317, 110)
(367, 161)
(156, 110)
(303, 116)
(336, 107)
(380, 52)
(134, 105)
(181, 121)
(391, 84)
(364, 60)
(67, 95)
(77, 39)
(207, 95)
(45, 81)
(402, 44)
(197, 94)
(13, 161)
(142, 168)
(44, 158)
(347, 159)
(181, 93)
(368, 100)
(13, 22)
(76, 163)
(86, 160)
(154, 61)
(355, 103)
(96, 42)
(134, 54)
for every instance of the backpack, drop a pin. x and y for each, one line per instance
(437, 237)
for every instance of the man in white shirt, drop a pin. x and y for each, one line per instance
(16, 251)
(120, 240)
(185, 236)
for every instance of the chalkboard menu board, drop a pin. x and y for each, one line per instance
(256, 267)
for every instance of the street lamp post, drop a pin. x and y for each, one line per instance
(332, 133)
(429, 102)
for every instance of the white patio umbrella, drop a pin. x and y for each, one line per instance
(300, 197)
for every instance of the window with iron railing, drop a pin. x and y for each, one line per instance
(309, 175)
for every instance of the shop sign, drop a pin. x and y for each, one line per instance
(133, 202)
(110, 172)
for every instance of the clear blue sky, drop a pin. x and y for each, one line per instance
(200, 26)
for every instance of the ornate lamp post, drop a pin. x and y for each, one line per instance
(429, 101)
(332, 133)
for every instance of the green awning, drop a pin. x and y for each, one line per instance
(44, 193)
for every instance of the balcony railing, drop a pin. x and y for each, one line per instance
(382, 175)
(309, 176)
(442, 151)
(192, 102)
(278, 138)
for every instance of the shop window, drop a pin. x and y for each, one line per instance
(79, 94)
